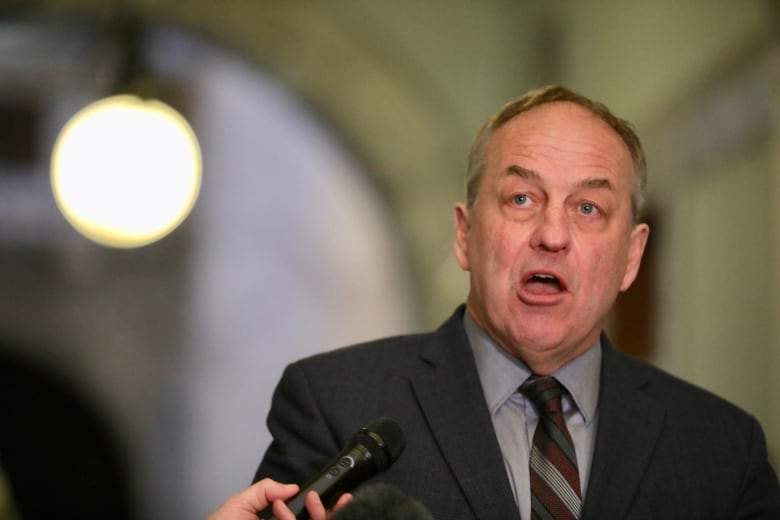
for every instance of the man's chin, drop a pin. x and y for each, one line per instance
(543, 348)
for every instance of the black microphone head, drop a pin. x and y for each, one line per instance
(384, 439)
(382, 502)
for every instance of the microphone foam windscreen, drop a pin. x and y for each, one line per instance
(382, 502)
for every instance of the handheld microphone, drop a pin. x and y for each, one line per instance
(382, 502)
(372, 450)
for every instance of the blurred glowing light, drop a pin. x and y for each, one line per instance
(126, 172)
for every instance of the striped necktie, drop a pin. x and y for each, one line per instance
(555, 480)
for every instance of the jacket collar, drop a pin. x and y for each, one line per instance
(630, 423)
(451, 397)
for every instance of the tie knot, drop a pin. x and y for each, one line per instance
(545, 393)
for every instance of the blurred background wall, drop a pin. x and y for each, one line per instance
(334, 136)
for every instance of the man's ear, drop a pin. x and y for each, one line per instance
(636, 248)
(461, 214)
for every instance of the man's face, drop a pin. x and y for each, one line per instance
(550, 242)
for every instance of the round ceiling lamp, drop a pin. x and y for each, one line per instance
(125, 172)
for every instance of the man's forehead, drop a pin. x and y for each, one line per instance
(559, 118)
(563, 134)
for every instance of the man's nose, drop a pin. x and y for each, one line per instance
(552, 232)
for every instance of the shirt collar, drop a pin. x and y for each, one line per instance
(502, 374)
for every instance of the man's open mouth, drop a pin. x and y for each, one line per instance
(543, 283)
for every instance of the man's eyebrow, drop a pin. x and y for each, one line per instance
(525, 173)
(598, 182)
(594, 182)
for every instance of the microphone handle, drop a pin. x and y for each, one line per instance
(348, 469)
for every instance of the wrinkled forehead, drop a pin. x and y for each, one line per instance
(560, 136)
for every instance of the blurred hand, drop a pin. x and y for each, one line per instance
(246, 504)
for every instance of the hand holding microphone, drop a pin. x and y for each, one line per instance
(372, 450)
(258, 496)
(369, 452)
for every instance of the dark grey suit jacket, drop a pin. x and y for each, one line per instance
(664, 449)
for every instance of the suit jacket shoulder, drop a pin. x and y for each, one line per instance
(668, 449)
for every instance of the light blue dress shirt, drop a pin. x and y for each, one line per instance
(514, 416)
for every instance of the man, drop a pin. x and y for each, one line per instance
(550, 234)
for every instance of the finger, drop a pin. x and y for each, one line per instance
(342, 501)
(256, 498)
(267, 491)
(281, 511)
(314, 506)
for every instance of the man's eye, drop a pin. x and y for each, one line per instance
(520, 199)
(588, 208)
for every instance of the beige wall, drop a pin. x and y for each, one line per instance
(721, 303)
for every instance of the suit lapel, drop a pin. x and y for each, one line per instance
(450, 395)
(628, 428)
